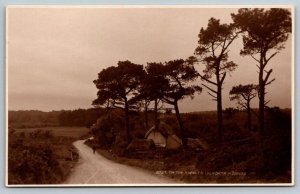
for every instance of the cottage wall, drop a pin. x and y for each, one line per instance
(158, 139)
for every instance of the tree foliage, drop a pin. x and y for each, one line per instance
(118, 84)
(212, 51)
(265, 30)
(243, 94)
(155, 83)
(179, 74)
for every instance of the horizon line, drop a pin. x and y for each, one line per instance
(104, 108)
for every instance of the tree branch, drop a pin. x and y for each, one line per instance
(268, 83)
(257, 67)
(267, 102)
(213, 49)
(167, 101)
(255, 58)
(224, 47)
(243, 105)
(212, 95)
(127, 92)
(231, 40)
(267, 76)
(202, 77)
(252, 96)
(267, 60)
(210, 89)
(222, 79)
(245, 98)
(178, 82)
(217, 46)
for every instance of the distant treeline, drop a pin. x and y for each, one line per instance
(35, 118)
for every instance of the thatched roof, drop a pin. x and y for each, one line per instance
(176, 138)
(163, 128)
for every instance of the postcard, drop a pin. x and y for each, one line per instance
(149, 96)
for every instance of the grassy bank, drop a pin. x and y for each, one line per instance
(42, 155)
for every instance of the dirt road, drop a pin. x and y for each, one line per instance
(95, 169)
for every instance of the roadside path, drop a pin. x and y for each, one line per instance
(95, 169)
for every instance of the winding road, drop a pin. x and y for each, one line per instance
(95, 169)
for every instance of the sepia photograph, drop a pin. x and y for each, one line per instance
(149, 96)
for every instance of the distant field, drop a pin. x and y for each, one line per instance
(74, 132)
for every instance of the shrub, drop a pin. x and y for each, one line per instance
(33, 163)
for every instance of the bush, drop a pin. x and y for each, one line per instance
(33, 164)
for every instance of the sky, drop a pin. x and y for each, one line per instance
(54, 54)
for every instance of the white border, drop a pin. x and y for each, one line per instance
(293, 95)
(6, 98)
(151, 6)
(292, 7)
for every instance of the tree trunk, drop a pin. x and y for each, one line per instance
(249, 116)
(219, 113)
(182, 131)
(156, 122)
(261, 101)
(127, 121)
(146, 115)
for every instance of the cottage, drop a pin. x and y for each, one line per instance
(164, 137)
(159, 137)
